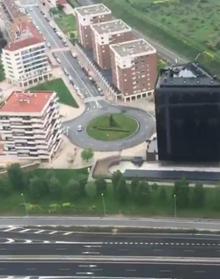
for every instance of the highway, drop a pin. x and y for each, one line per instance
(62, 251)
(109, 269)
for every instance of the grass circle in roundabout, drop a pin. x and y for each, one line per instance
(112, 127)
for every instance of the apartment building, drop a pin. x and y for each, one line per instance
(106, 33)
(11, 15)
(30, 126)
(85, 17)
(25, 59)
(134, 69)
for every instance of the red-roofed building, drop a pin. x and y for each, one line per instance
(30, 125)
(25, 59)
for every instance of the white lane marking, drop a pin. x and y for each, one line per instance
(28, 241)
(92, 246)
(79, 242)
(46, 241)
(90, 253)
(25, 230)
(10, 229)
(9, 240)
(53, 232)
(84, 272)
(67, 233)
(39, 231)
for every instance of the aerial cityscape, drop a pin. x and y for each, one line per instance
(109, 139)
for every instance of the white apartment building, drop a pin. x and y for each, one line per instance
(25, 59)
(30, 126)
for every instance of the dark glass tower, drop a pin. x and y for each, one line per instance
(187, 101)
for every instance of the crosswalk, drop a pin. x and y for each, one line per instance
(44, 231)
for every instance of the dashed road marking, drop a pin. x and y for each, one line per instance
(53, 232)
(67, 233)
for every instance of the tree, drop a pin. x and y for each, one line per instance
(162, 195)
(198, 196)
(5, 189)
(37, 188)
(73, 191)
(112, 122)
(87, 154)
(122, 191)
(143, 195)
(181, 190)
(101, 186)
(54, 188)
(60, 7)
(16, 177)
(116, 177)
(134, 187)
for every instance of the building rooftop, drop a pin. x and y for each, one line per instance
(26, 35)
(20, 102)
(187, 75)
(133, 48)
(111, 27)
(94, 10)
(12, 9)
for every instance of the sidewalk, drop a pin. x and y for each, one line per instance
(115, 222)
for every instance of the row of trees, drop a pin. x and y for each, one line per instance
(38, 187)
(138, 191)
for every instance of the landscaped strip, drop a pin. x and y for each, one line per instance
(60, 88)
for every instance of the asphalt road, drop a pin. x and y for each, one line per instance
(119, 269)
(60, 251)
(48, 241)
(95, 106)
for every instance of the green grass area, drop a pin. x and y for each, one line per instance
(132, 199)
(112, 127)
(187, 26)
(60, 88)
(67, 23)
(2, 74)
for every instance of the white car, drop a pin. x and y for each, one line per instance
(49, 45)
(79, 128)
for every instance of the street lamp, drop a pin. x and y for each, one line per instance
(103, 203)
(25, 208)
(174, 196)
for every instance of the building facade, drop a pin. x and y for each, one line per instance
(187, 101)
(25, 59)
(134, 69)
(11, 15)
(30, 126)
(85, 17)
(106, 33)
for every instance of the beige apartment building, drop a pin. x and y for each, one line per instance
(30, 126)
(25, 59)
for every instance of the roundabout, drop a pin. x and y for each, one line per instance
(85, 138)
(111, 127)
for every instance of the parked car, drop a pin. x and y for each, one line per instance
(65, 71)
